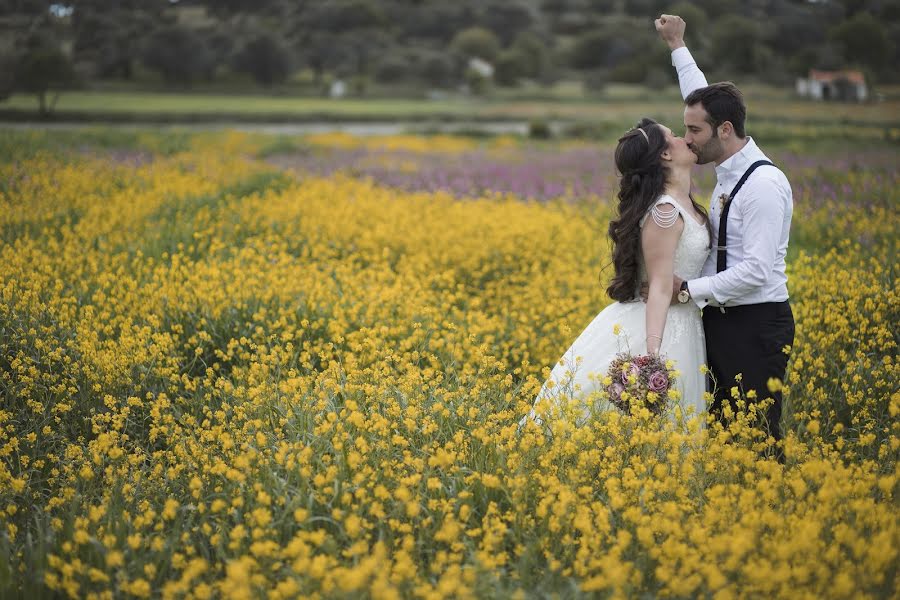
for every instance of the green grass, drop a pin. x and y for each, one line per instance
(127, 102)
(21, 144)
(617, 105)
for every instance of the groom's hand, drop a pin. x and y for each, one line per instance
(671, 30)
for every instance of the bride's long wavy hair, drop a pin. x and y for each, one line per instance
(642, 181)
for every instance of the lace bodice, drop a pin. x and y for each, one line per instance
(693, 246)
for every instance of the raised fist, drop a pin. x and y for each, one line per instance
(671, 30)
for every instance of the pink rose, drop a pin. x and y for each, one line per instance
(615, 391)
(634, 370)
(658, 381)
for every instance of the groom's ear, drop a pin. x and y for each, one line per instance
(726, 130)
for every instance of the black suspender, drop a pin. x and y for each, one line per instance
(723, 218)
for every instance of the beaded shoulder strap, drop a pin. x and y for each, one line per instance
(665, 214)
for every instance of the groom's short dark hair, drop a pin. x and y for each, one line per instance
(722, 102)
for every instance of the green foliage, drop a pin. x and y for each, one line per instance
(512, 65)
(109, 41)
(695, 18)
(645, 8)
(598, 49)
(507, 18)
(437, 69)
(735, 42)
(798, 31)
(478, 83)
(539, 129)
(476, 42)
(265, 59)
(177, 53)
(533, 54)
(717, 8)
(43, 68)
(393, 67)
(7, 76)
(863, 40)
(345, 15)
(536, 40)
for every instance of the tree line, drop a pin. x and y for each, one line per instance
(431, 43)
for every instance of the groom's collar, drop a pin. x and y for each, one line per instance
(734, 166)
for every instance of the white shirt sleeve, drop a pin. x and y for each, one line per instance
(690, 77)
(762, 207)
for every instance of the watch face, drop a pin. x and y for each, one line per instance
(683, 297)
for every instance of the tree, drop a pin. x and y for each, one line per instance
(696, 20)
(24, 7)
(108, 34)
(178, 54)
(265, 59)
(438, 22)
(797, 30)
(605, 47)
(735, 40)
(7, 76)
(506, 19)
(346, 35)
(476, 42)
(646, 8)
(512, 65)
(43, 68)
(393, 67)
(359, 49)
(107, 43)
(345, 15)
(717, 8)
(316, 49)
(534, 53)
(437, 69)
(231, 7)
(863, 41)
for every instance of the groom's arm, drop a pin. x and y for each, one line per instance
(690, 77)
(762, 208)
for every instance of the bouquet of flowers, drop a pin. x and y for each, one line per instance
(640, 381)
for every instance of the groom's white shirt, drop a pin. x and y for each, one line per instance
(759, 221)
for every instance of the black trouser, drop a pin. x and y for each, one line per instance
(750, 340)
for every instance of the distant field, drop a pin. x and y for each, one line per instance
(767, 106)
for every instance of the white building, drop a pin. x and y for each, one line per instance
(834, 85)
(482, 67)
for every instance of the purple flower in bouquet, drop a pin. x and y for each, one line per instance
(615, 391)
(633, 370)
(658, 382)
(640, 376)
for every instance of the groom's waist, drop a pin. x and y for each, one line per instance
(772, 292)
(758, 307)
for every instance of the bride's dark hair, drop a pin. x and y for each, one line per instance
(642, 182)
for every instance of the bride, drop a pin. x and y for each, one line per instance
(659, 232)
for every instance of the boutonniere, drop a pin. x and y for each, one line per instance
(723, 198)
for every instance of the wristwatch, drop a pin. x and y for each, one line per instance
(685, 294)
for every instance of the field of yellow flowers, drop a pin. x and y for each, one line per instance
(232, 367)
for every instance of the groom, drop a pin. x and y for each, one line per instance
(742, 288)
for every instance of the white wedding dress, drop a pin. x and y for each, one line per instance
(580, 370)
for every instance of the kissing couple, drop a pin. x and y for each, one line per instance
(698, 287)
